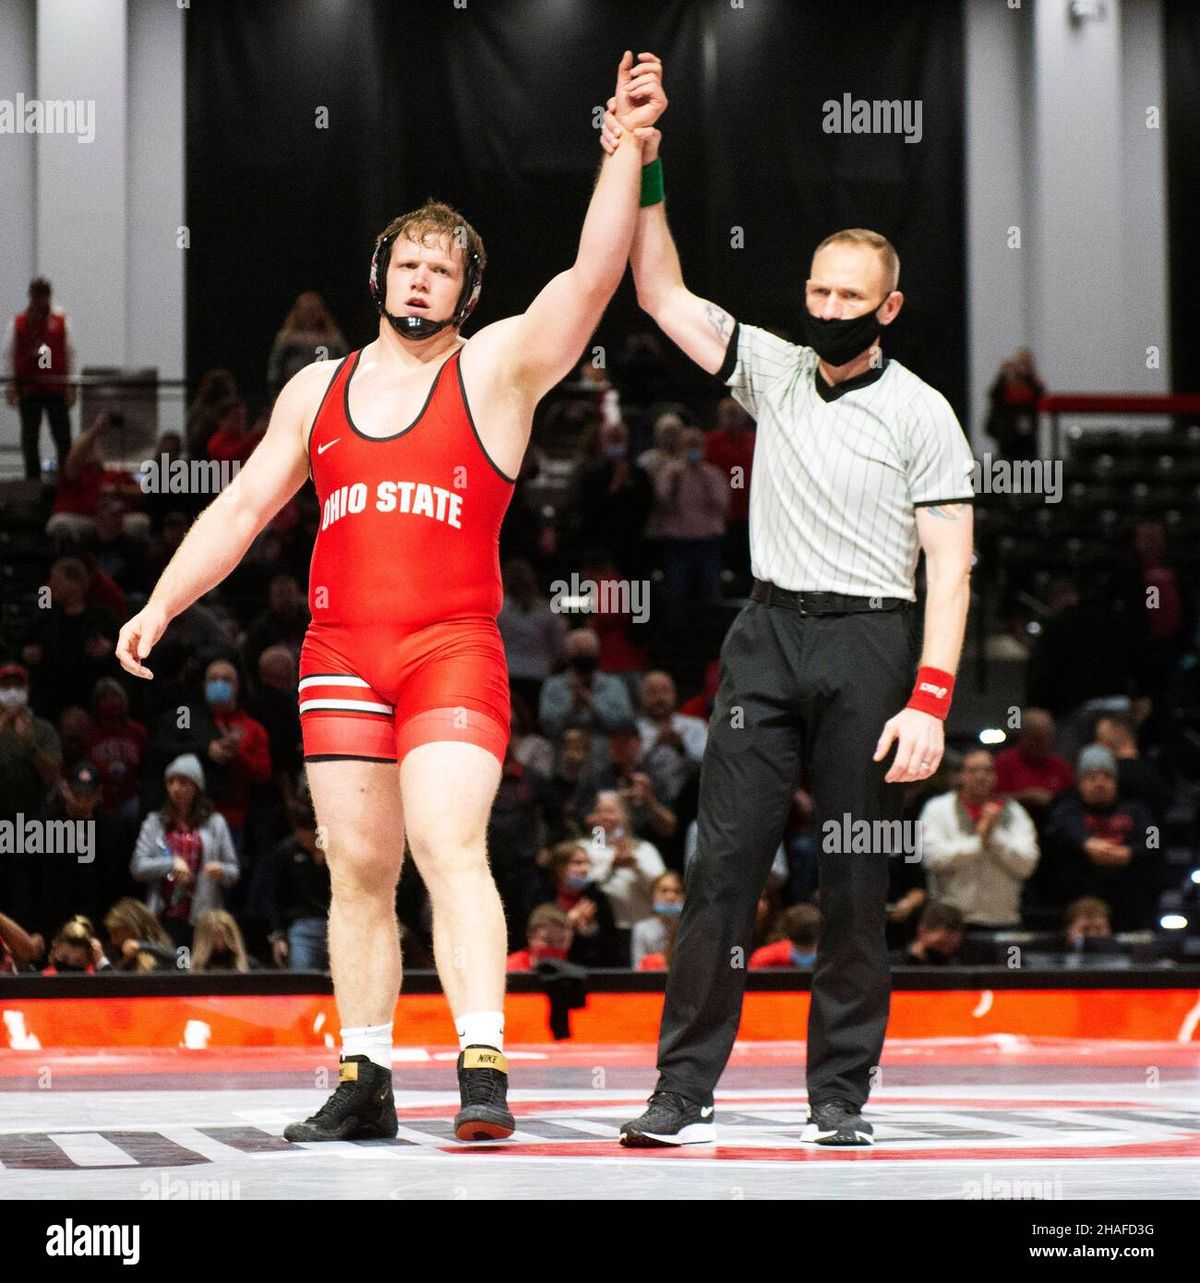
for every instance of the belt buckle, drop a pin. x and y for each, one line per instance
(800, 605)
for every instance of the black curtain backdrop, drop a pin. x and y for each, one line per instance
(491, 107)
(1181, 40)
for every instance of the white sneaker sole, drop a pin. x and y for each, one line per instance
(814, 1135)
(692, 1134)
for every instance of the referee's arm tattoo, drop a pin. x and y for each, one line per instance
(719, 319)
(946, 511)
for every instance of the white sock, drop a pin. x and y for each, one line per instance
(481, 1029)
(372, 1041)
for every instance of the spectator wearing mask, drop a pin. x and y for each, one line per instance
(548, 938)
(219, 945)
(38, 360)
(1030, 772)
(594, 938)
(69, 647)
(939, 939)
(581, 697)
(233, 746)
(138, 940)
(117, 745)
(654, 936)
(301, 892)
(533, 632)
(1100, 844)
(184, 852)
(798, 948)
(30, 752)
(624, 866)
(1136, 778)
(978, 849)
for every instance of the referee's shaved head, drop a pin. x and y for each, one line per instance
(888, 257)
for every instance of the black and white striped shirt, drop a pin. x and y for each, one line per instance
(839, 472)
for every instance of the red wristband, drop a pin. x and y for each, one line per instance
(932, 692)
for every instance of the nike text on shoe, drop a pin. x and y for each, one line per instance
(483, 1086)
(671, 1119)
(837, 1122)
(361, 1108)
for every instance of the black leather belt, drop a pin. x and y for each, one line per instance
(821, 603)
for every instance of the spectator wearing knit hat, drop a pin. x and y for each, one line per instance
(184, 852)
(1102, 846)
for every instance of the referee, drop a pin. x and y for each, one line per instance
(858, 466)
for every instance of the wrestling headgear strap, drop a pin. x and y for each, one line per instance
(421, 327)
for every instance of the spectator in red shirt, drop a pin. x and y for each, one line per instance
(730, 447)
(74, 950)
(235, 438)
(798, 948)
(548, 937)
(1030, 772)
(701, 705)
(117, 745)
(38, 358)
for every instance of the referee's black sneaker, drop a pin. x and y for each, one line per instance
(483, 1086)
(362, 1106)
(837, 1122)
(672, 1119)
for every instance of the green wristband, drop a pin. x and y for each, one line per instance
(652, 182)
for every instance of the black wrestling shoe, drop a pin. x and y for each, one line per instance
(483, 1086)
(837, 1122)
(672, 1119)
(362, 1106)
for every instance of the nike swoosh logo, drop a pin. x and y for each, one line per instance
(322, 448)
(706, 1111)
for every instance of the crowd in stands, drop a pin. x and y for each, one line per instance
(205, 850)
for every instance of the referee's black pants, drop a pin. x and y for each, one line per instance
(795, 689)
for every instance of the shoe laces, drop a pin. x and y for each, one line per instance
(671, 1100)
(484, 1086)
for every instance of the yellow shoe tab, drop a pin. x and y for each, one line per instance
(348, 1071)
(484, 1058)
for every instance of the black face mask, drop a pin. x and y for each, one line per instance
(583, 664)
(838, 342)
